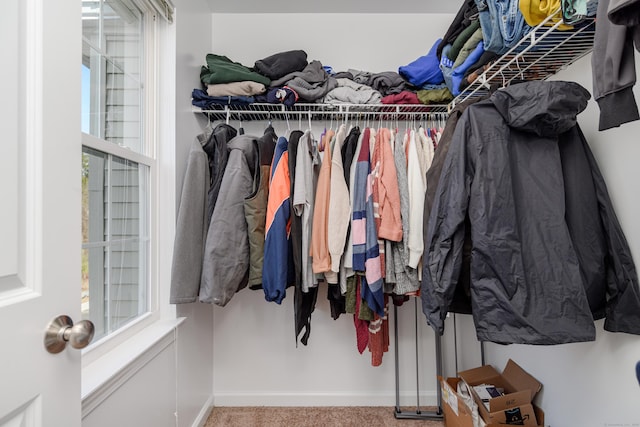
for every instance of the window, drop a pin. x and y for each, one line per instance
(117, 164)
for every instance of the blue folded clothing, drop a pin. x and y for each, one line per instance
(199, 98)
(454, 76)
(458, 73)
(424, 70)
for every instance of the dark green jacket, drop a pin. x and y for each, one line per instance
(220, 69)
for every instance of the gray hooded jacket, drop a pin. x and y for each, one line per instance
(225, 267)
(548, 254)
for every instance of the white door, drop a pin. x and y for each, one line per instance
(40, 208)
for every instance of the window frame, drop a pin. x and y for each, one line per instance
(150, 62)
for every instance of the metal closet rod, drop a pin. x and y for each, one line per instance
(337, 113)
(383, 113)
(311, 108)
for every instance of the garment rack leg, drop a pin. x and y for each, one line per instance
(417, 414)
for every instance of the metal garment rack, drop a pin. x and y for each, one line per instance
(418, 414)
(367, 114)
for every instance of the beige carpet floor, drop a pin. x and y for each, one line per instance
(264, 416)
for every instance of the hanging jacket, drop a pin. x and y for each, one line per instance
(225, 267)
(304, 180)
(461, 302)
(359, 211)
(218, 154)
(255, 207)
(389, 194)
(613, 65)
(372, 290)
(319, 251)
(406, 277)
(348, 253)
(276, 245)
(191, 228)
(548, 252)
(417, 185)
(295, 235)
(339, 215)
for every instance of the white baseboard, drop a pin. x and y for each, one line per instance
(201, 419)
(427, 398)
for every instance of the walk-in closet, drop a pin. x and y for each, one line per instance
(257, 336)
(523, 238)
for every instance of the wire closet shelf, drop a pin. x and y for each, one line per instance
(311, 111)
(543, 52)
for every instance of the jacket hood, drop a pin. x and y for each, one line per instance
(541, 107)
(248, 145)
(221, 134)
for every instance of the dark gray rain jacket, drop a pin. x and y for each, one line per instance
(548, 254)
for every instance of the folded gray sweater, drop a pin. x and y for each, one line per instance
(350, 92)
(311, 84)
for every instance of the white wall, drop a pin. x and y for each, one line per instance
(256, 361)
(195, 340)
(593, 384)
(148, 398)
(364, 41)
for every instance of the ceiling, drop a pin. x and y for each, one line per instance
(335, 6)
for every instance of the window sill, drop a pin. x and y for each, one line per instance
(106, 374)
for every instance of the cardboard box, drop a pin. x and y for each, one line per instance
(520, 389)
(456, 412)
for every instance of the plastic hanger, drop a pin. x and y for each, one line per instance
(240, 128)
